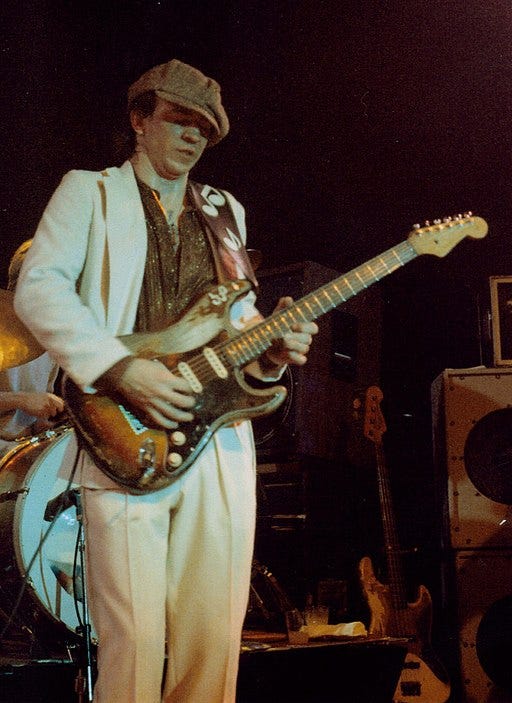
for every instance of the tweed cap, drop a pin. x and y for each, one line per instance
(186, 86)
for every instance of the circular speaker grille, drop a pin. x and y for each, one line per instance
(488, 455)
(266, 428)
(494, 642)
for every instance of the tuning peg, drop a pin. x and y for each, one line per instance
(437, 222)
(468, 214)
(416, 226)
(447, 219)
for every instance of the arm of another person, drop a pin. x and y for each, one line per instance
(42, 405)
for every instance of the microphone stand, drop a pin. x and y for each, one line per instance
(83, 685)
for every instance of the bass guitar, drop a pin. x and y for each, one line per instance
(423, 678)
(203, 347)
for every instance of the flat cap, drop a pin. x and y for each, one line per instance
(179, 83)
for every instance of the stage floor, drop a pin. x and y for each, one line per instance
(354, 670)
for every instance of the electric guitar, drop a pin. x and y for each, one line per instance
(423, 678)
(203, 347)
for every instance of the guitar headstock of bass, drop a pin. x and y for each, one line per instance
(440, 236)
(374, 422)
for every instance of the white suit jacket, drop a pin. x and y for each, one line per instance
(80, 282)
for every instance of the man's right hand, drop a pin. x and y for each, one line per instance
(164, 397)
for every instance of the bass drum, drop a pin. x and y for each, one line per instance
(31, 474)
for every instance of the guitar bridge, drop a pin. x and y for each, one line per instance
(410, 688)
(147, 460)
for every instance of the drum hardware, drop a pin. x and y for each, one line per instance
(27, 579)
(17, 344)
(36, 602)
(43, 595)
(268, 600)
(83, 685)
(62, 502)
(12, 495)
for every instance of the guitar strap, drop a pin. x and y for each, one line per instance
(230, 254)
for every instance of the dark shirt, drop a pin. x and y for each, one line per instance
(179, 264)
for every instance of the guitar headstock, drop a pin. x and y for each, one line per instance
(374, 423)
(439, 237)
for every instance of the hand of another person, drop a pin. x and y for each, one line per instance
(42, 405)
(164, 397)
(293, 348)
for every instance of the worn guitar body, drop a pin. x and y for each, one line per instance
(386, 620)
(423, 678)
(141, 456)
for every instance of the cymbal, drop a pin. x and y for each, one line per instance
(17, 345)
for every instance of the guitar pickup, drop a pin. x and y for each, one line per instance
(410, 688)
(413, 664)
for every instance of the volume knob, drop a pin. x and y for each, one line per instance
(178, 438)
(174, 460)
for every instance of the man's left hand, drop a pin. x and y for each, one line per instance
(293, 348)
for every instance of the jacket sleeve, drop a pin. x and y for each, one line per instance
(47, 299)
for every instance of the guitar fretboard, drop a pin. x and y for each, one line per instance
(240, 350)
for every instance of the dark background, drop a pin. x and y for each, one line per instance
(351, 121)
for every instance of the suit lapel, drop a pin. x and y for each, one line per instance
(126, 241)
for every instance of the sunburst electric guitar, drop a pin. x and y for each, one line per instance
(204, 348)
(423, 678)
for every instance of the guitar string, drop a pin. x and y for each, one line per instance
(400, 254)
(199, 364)
(401, 616)
(226, 350)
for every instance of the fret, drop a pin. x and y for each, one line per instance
(324, 302)
(361, 279)
(252, 343)
(389, 267)
(261, 337)
(253, 347)
(306, 303)
(304, 317)
(342, 299)
(347, 283)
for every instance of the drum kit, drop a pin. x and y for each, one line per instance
(41, 580)
(41, 584)
(17, 345)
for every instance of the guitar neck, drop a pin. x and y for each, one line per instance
(391, 542)
(249, 345)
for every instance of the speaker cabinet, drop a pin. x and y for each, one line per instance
(484, 611)
(472, 422)
(501, 310)
(316, 418)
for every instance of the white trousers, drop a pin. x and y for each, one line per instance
(170, 571)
